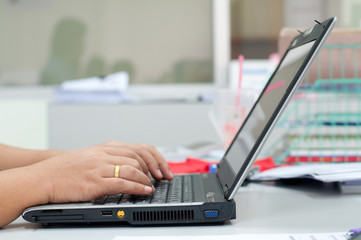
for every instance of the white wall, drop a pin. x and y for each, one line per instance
(24, 123)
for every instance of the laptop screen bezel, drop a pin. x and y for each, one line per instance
(231, 182)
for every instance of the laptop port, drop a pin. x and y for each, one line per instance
(107, 213)
(211, 213)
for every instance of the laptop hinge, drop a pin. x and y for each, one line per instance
(225, 190)
(224, 187)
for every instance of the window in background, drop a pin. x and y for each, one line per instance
(159, 41)
(255, 25)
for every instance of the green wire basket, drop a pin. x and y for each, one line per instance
(323, 121)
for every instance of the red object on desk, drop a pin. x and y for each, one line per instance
(191, 165)
(195, 165)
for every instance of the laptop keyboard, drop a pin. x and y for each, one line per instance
(178, 190)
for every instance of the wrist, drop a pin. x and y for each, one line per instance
(45, 154)
(21, 188)
(40, 184)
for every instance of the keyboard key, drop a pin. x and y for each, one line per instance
(113, 199)
(100, 201)
(143, 199)
(187, 189)
(176, 191)
(127, 199)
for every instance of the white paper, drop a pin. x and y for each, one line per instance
(110, 89)
(113, 82)
(326, 172)
(283, 236)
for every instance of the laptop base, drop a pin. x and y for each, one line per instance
(204, 213)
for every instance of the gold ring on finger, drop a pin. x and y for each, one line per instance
(116, 171)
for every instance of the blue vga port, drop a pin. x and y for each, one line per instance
(211, 213)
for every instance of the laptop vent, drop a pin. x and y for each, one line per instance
(176, 215)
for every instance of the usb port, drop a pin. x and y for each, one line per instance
(107, 213)
(211, 213)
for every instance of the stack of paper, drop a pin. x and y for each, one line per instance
(325, 172)
(347, 174)
(110, 89)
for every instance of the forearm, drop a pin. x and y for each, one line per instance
(77, 176)
(11, 157)
(20, 189)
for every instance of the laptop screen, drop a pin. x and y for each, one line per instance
(264, 109)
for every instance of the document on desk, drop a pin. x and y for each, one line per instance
(325, 172)
(283, 236)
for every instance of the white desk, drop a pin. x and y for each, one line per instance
(261, 208)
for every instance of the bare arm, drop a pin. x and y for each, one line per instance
(20, 188)
(80, 175)
(12, 157)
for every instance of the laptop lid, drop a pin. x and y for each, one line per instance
(243, 151)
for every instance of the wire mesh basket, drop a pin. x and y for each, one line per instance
(323, 121)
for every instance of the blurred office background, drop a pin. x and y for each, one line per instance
(44, 42)
(160, 41)
(157, 42)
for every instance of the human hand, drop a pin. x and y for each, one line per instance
(87, 174)
(154, 160)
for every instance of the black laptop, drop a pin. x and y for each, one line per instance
(208, 197)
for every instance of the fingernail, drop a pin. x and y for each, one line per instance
(160, 173)
(150, 176)
(148, 189)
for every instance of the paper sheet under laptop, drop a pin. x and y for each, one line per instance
(325, 172)
(284, 236)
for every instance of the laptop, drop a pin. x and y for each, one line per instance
(206, 197)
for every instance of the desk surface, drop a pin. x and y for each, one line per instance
(261, 208)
